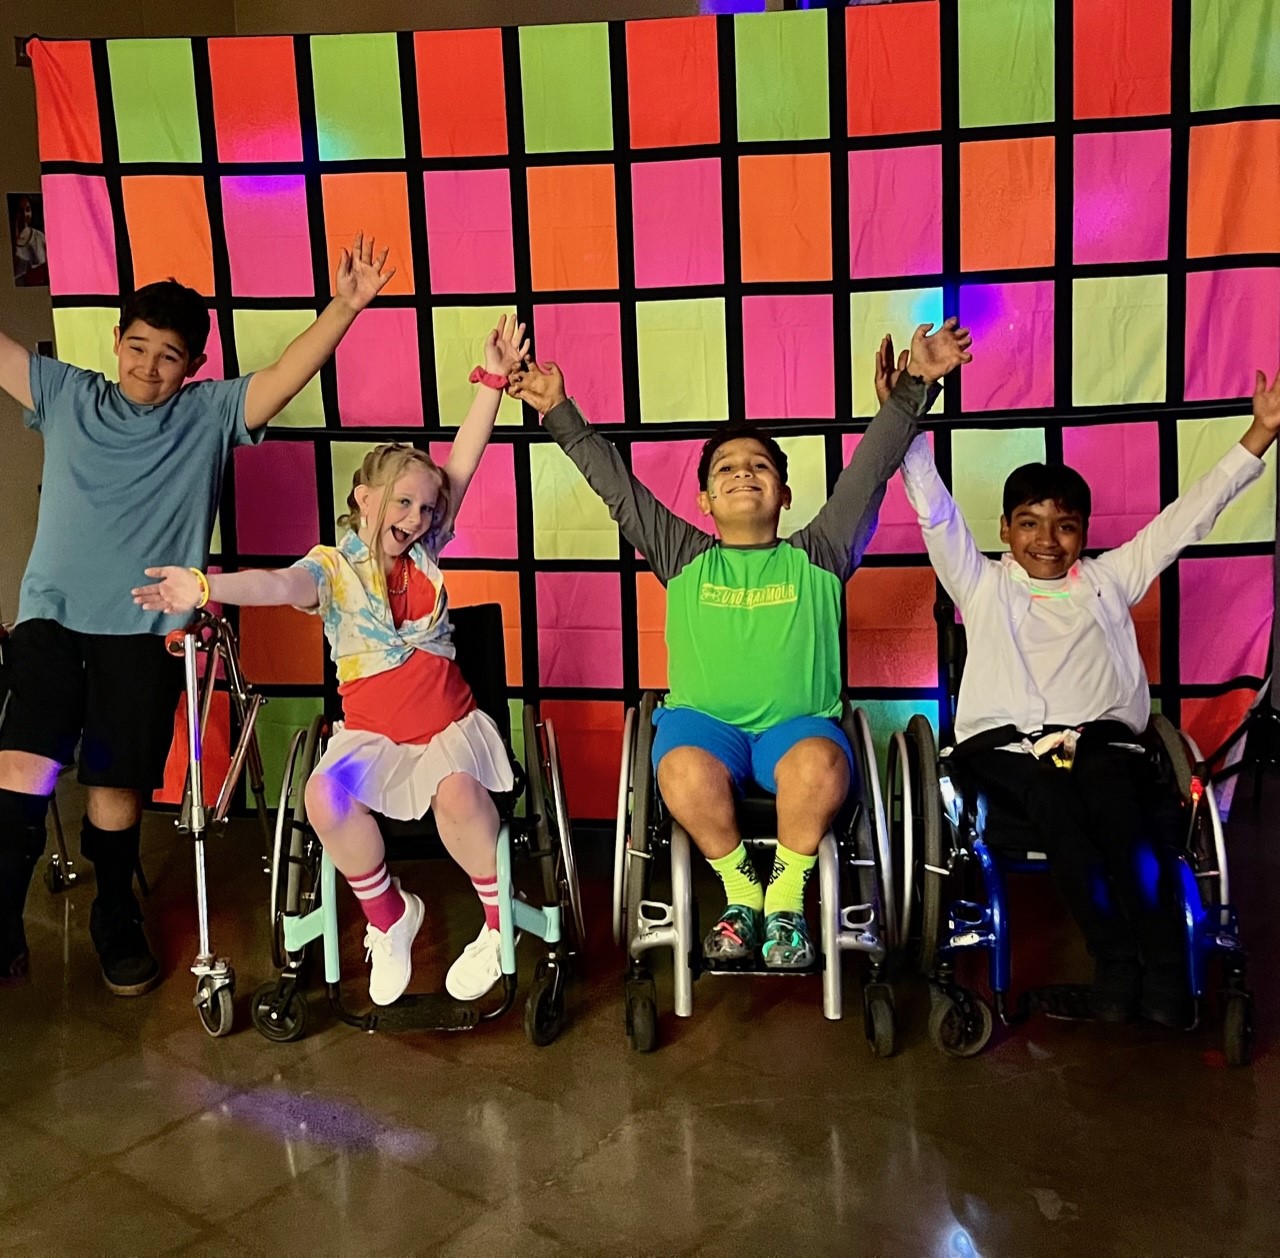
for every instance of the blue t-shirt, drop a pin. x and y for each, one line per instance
(126, 487)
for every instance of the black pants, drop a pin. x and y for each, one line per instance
(1107, 825)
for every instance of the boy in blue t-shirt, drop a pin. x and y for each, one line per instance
(130, 470)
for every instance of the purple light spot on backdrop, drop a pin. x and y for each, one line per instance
(732, 6)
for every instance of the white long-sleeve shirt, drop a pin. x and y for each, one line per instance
(1005, 678)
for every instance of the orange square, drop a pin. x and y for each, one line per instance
(893, 638)
(281, 646)
(1006, 203)
(785, 202)
(169, 235)
(67, 97)
(1233, 189)
(467, 588)
(651, 631)
(589, 735)
(1146, 624)
(378, 205)
(573, 231)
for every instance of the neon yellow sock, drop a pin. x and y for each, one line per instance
(787, 881)
(741, 880)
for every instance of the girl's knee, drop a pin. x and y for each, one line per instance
(459, 797)
(328, 804)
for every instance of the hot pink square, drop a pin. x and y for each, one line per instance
(895, 211)
(213, 368)
(579, 629)
(678, 223)
(1012, 327)
(670, 470)
(1121, 196)
(377, 364)
(277, 506)
(81, 235)
(788, 357)
(1121, 463)
(486, 525)
(586, 340)
(1214, 649)
(268, 240)
(469, 231)
(1233, 328)
(898, 532)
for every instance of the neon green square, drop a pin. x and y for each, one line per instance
(898, 312)
(459, 332)
(357, 94)
(84, 336)
(807, 478)
(981, 460)
(782, 75)
(153, 92)
(564, 74)
(887, 717)
(1251, 517)
(1119, 333)
(1235, 53)
(680, 349)
(261, 337)
(345, 458)
(569, 520)
(1006, 62)
(278, 721)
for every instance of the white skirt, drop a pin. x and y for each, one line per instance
(399, 780)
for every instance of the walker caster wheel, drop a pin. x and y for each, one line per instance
(960, 1028)
(1237, 1029)
(54, 879)
(642, 1016)
(279, 1013)
(214, 1004)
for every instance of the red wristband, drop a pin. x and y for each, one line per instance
(494, 381)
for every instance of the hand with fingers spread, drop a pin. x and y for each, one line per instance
(934, 354)
(542, 386)
(361, 275)
(1266, 415)
(506, 348)
(176, 590)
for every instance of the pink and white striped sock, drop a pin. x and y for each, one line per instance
(380, 899)
(487, 890)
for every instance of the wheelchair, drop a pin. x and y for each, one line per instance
(954, 852)
(303, 898)
(854, 855)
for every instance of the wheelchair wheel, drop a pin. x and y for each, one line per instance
(279, 1014)
(544, 1008)
(622, 826)
(639, 838)
(544, 845)
(926, 810)
(960, 1028)
(214, 1004)
(568, 891)
(295, 857)
(1237, 1028)
(878, 848)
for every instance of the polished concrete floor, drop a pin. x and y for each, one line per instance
(757, 1128)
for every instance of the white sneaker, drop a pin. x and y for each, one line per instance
(478, 968)
(391, 952)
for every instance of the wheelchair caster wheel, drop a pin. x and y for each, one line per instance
(1237, 1029)
(53, 879)
(880, 1024)
(960, 1028)
(279, 1013)
(544, 1009)
(642, 1017)
(214, 1005)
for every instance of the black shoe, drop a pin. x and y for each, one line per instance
(1166, 999)
(14, 958)
(128, 968)
(1117, 982)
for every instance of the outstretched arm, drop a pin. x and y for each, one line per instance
(178, 590)
(360, 278)
(15, 371)
(665, 540)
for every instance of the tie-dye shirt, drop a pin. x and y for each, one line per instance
(363, 636)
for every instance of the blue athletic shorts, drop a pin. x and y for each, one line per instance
(748, 757)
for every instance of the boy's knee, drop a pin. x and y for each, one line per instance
(689, 773)
(816, 767)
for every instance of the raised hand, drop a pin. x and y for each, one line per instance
(506, 348)
(177, 590)
(1266, 402)
(935, 354)
(541, 386)
(887, 373)
(360, 276)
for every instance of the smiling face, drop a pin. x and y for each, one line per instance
(154, 362)
(410, 509)
(1044, 539)
(744, 487)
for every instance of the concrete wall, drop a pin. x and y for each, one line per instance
(25, 313)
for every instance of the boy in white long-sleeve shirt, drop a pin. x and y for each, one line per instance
(1052, 646)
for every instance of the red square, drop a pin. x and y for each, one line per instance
(892, 58)
(1122, 55)
(673, 82)
(589, 738)
(255, 100)
(462, 100)
(67, 97)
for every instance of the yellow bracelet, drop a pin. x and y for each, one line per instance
(204, 587)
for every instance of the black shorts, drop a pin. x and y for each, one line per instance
(115, 695)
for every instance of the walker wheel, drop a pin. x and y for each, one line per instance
(53, 879)
(214, 1004)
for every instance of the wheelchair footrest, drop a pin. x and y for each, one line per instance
(429, 1011)
(1068, 1002)
(757, 967)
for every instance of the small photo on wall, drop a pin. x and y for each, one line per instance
(26, 240)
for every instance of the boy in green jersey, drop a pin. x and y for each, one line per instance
(753, 636)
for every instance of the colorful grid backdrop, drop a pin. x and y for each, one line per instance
(703, 218)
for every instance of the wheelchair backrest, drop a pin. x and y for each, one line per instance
(955, 650)
(482, 658)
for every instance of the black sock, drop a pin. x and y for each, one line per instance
(114, 854)
(22, 839)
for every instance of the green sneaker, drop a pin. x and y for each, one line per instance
(787, 945)
(735, 937)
